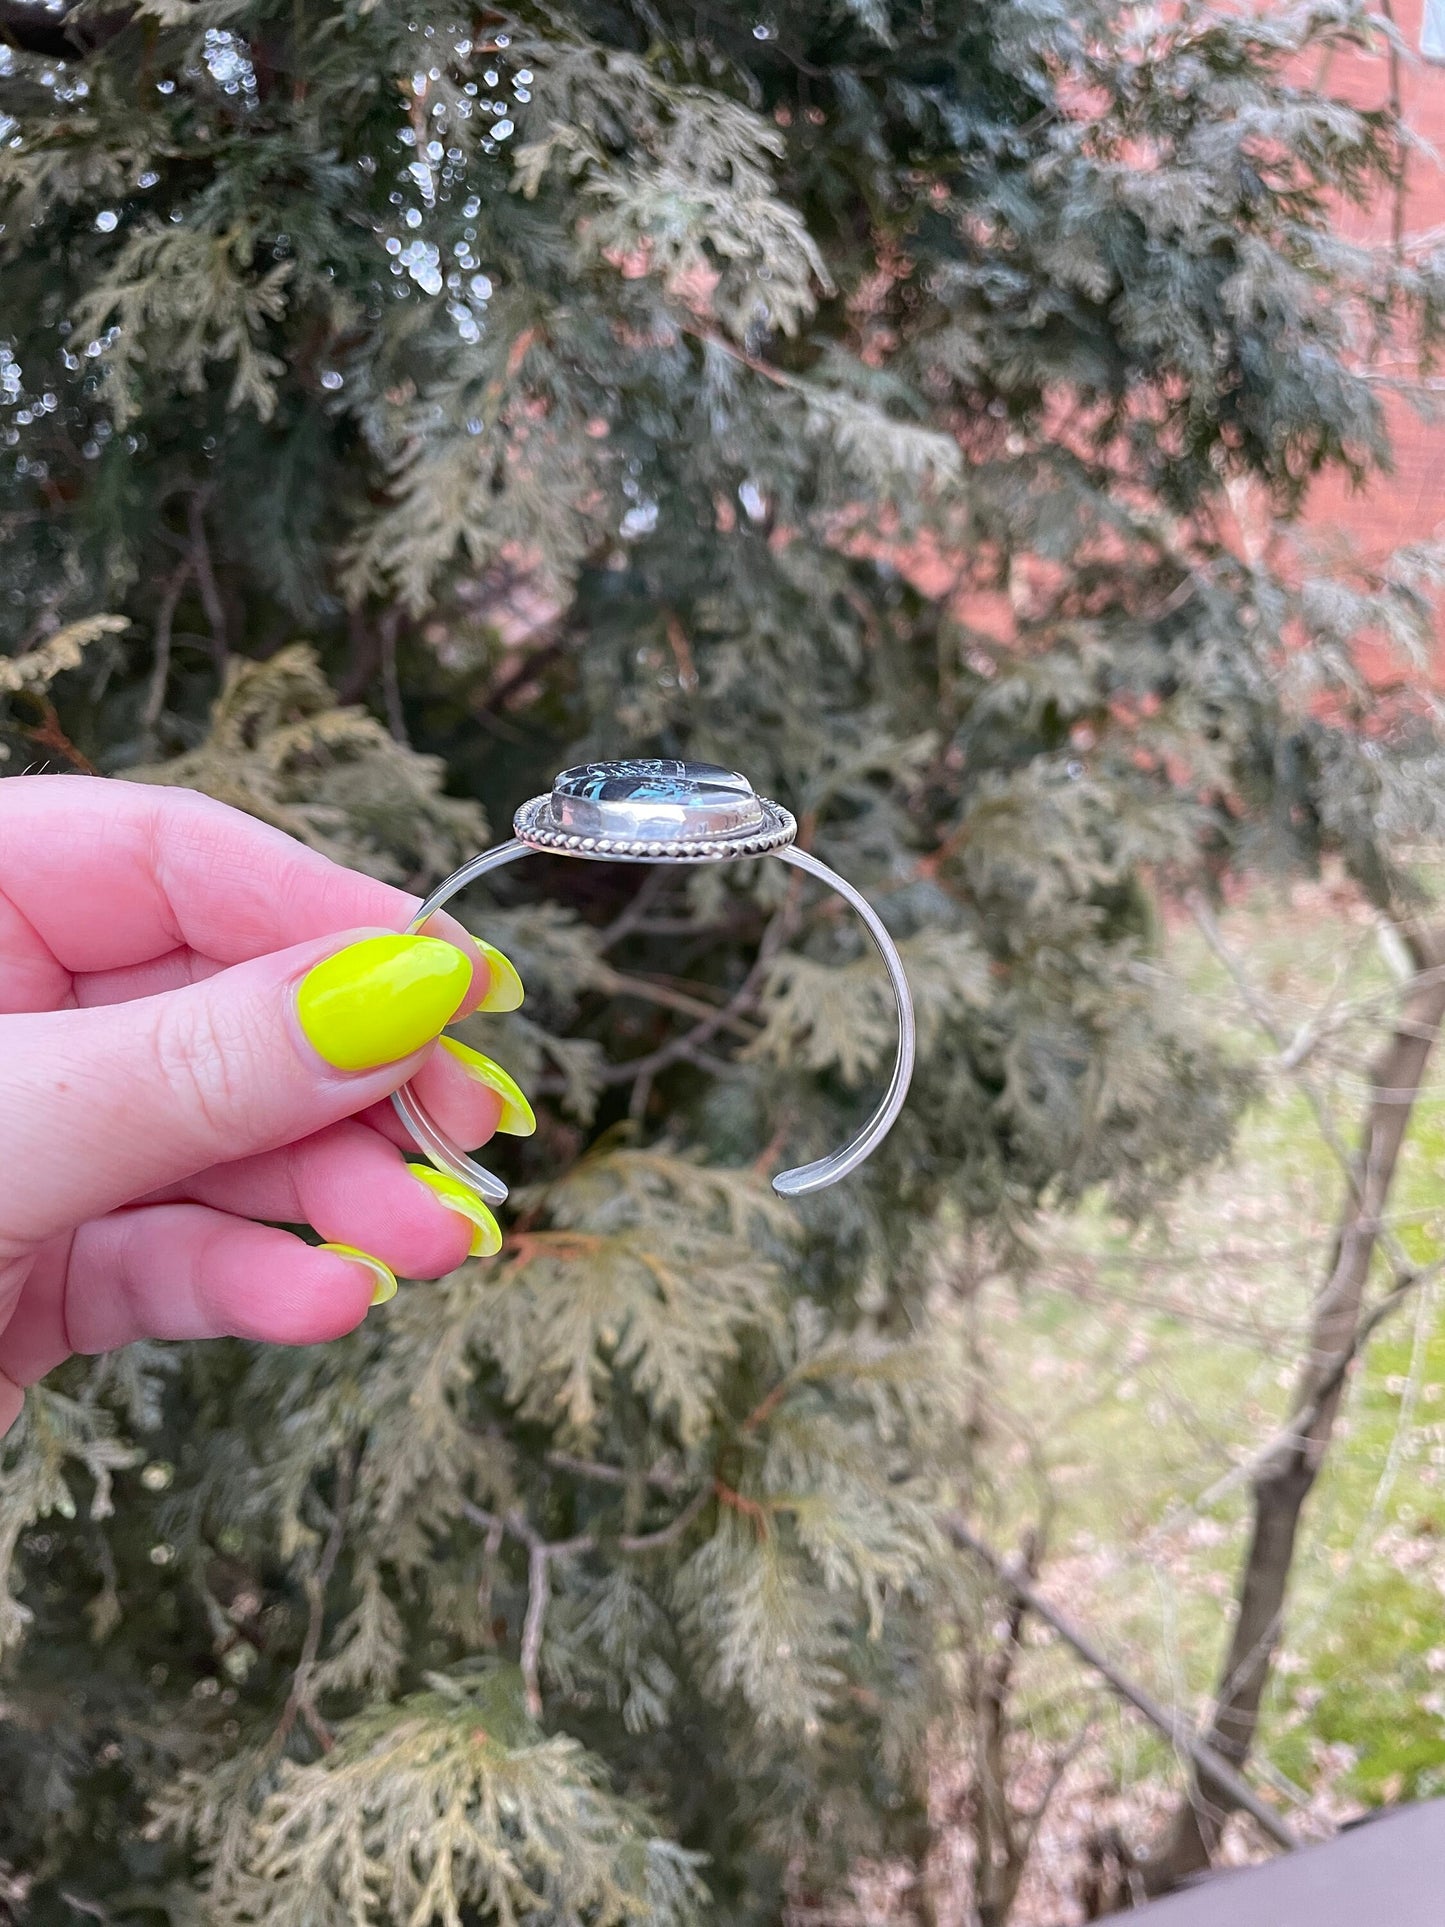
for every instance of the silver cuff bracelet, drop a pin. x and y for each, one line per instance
(656, 811)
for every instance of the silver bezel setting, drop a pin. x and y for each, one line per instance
(532, 825)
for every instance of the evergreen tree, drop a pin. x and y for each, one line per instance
(851, 392)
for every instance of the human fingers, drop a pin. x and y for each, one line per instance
(471, 1096)
(498, 988)
(183, 1271)
(468, 1095)
(153, 978)
(354, 1188)
(98, 1107)
(98, 876)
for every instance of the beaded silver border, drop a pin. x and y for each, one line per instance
(532, 826)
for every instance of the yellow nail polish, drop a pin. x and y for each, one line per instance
(487, 1240)
(384, 1278)
(504, 990)
(518, 1118)
(381, 999)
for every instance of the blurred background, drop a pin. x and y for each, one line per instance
(1008, 432)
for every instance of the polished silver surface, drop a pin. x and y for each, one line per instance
(807, 1178)
(649, 810)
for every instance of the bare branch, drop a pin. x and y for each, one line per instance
(679, 1048)
(1291, 1436)
(298, 1701)
(726, 1016)
(496, 1532)
(1175, 1728)
(388, 629)
(540, 1555)
(1051, 1786)
(49, 734)
(668, 1535)
(615, 1474)
(617, 983)
(1400, 198)
(1293, 1053)
(539, 1595)
(1002, 1854)
(200, 559)
(1283, 1477)
(654, 881)
(165, 621)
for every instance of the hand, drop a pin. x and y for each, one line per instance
(200, 1022)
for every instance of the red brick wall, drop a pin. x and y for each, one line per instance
(1408, 506)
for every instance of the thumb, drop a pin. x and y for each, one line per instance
(101, 1106)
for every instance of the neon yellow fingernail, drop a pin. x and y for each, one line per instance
(381, 999)
(518, 1119)
(383, 1277)
(504, 989)
(487, 1240)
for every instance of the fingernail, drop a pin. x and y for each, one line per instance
(382, 1276)
(518, 1118)
(504, 988)
(487, 1240)
(381, 999)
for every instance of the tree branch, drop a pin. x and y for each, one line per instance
(388, 628)
(1001, 1854)
(70, 34)
(165, 621)
(495, 1534)
(1285, 1476)
(540, 1555)
(1292, 1434)
(1175, 1728)
(654, 881)
(726, 1016)
(658, 1476)
(1060, 1767)
(50, 734)
(669, 1534)
(1293, 1053)
(200, 560)
(617, 984)
(539, 1597)
(298, 1701)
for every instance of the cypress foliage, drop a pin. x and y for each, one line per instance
(627, 378)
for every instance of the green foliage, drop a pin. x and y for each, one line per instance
(448, 1800)
(638, 1284)
(36, 669)
(279, 748)
(856, 401)
(194, 292)
(1130, 1349)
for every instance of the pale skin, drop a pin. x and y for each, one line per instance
(162, 1112)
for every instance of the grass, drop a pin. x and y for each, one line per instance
(1145, 1365)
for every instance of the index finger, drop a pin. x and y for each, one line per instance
(98, 874)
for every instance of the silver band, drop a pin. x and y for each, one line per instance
(768, 831)
(822, 1172)
(444, 1154)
